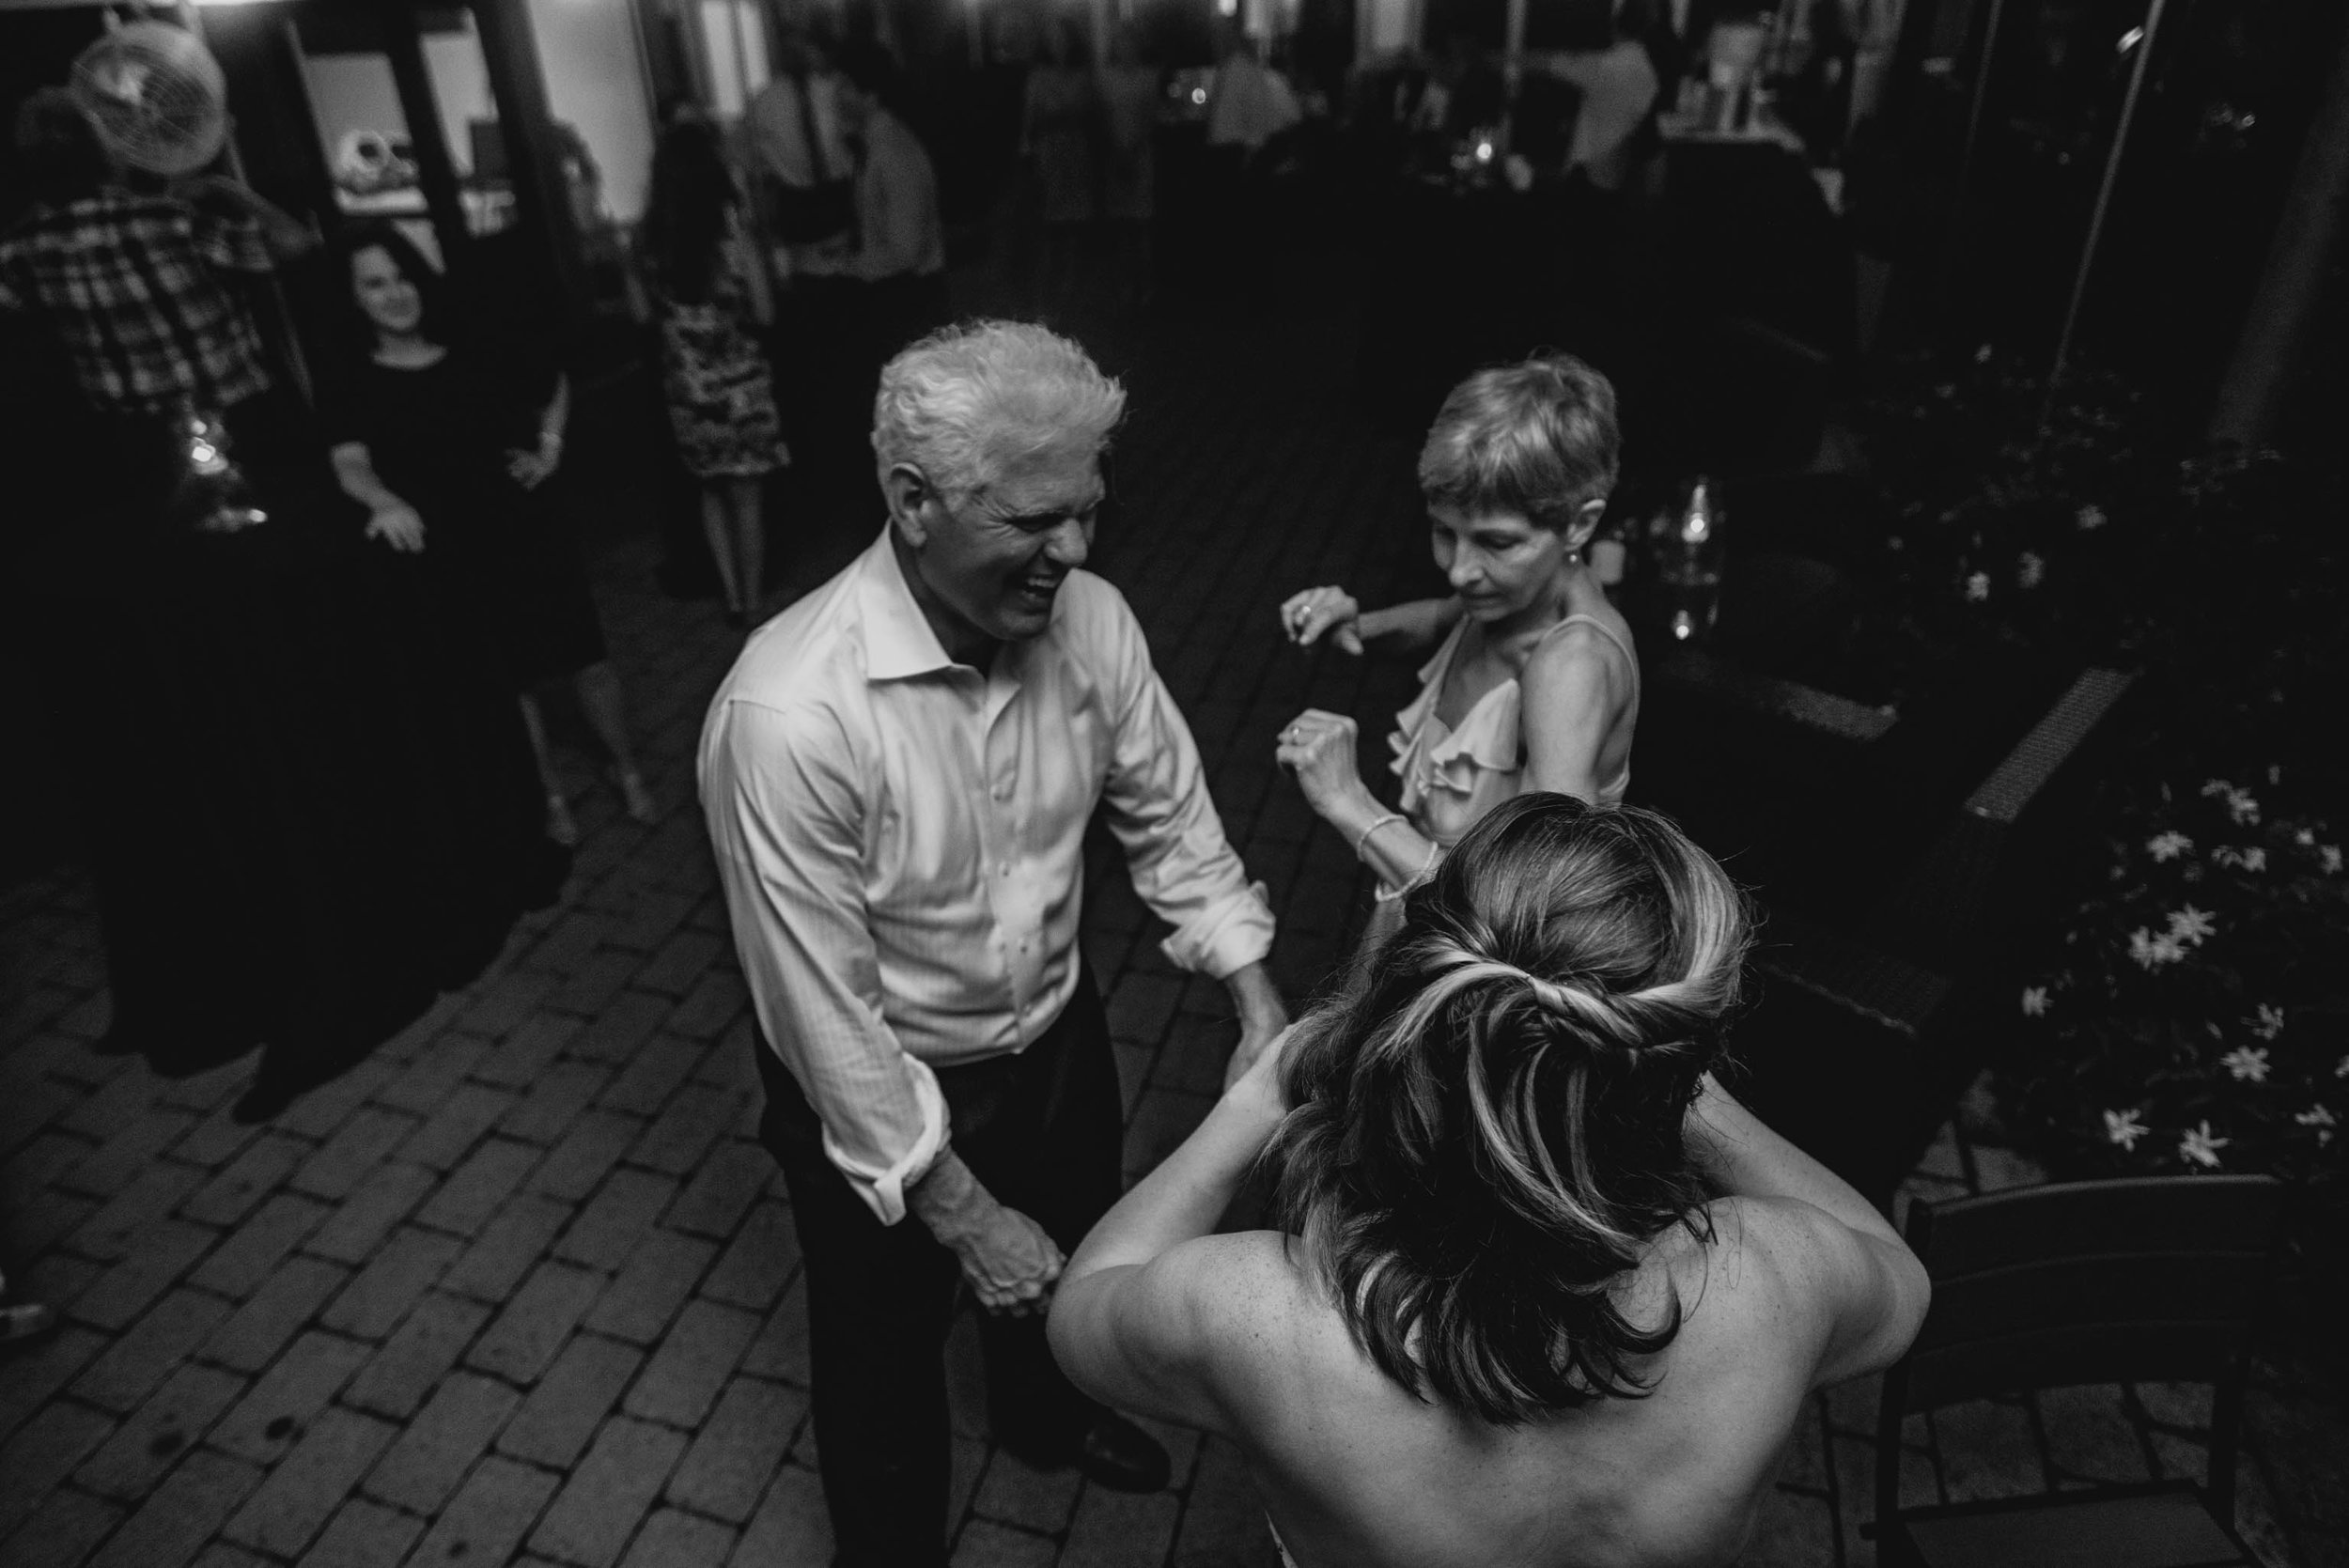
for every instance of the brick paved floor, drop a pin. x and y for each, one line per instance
(522, 1288)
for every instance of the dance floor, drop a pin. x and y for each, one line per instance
(523, 1288)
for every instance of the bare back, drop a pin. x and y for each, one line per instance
(1355, 1471)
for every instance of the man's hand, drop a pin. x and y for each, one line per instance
(1262, 1017)
(1011, 1264)
(1009, 1261)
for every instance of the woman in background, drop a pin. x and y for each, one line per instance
(448, 465)
(711, 293)
(1130, 90)
(1533, 685)
(1542, 1293)
(1060, 125)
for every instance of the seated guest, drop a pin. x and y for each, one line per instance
(1603, 56)
(1251, 102)
(900, 249)
(1534, 686)
(1543, 1293)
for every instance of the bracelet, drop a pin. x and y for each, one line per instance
(1387, 894)
(1361, 839)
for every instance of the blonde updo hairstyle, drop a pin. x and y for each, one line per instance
(1487, 1126)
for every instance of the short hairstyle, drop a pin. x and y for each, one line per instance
(1536, 439)
(431, 284)
(1488, 1125)
(58, 147)
(969, 401)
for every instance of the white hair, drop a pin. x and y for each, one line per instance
(966, 402)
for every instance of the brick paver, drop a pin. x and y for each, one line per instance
(522, 1287)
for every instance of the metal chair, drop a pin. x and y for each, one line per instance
(2141, 1280)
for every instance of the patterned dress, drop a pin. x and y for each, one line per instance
(719, 392)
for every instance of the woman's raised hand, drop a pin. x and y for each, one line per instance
(1319, 746)
(398, 526)
(1309, 615)
(532, 469)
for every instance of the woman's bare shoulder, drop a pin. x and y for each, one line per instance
(1776, 1268)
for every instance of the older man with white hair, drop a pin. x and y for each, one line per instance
(897, 775)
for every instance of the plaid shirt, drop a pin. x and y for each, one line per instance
(130, 283)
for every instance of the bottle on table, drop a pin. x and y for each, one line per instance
(1688, 564)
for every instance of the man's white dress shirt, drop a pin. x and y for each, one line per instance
(899, 838)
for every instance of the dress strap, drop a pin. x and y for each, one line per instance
(1605, 630)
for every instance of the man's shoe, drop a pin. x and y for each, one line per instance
(1116, 1453)
(1113, 1452)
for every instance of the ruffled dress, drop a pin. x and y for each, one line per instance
(1452, 776)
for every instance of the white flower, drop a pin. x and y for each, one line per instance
(2269, 1023)
(1982, 355)
(2198, 1145)
(2191, 924)
(1978, 587)
(2034, 1001)
(2247, 1064)
(2092, 517)
(2167, 846)
(2241, 804)
(2305, 838)
(2030, 570)
(2328, 855)
(2122, 1127)
(2255, 858)
(2322, 1120)
(2340, 1069)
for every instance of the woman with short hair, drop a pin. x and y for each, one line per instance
(1542, 1293)
(1533, 684)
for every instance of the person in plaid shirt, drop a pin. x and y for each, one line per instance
(135, 285)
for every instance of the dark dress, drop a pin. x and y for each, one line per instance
(305, 806)
(438, 439)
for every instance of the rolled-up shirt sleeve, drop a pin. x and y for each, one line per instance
(779, 791)
(1183, 866)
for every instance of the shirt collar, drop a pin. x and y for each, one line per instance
(898, 642)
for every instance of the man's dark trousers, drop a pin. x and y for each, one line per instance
(1042, 1131)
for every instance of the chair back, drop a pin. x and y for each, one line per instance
(2136, 1280)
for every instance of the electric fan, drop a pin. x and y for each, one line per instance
(156, 95)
